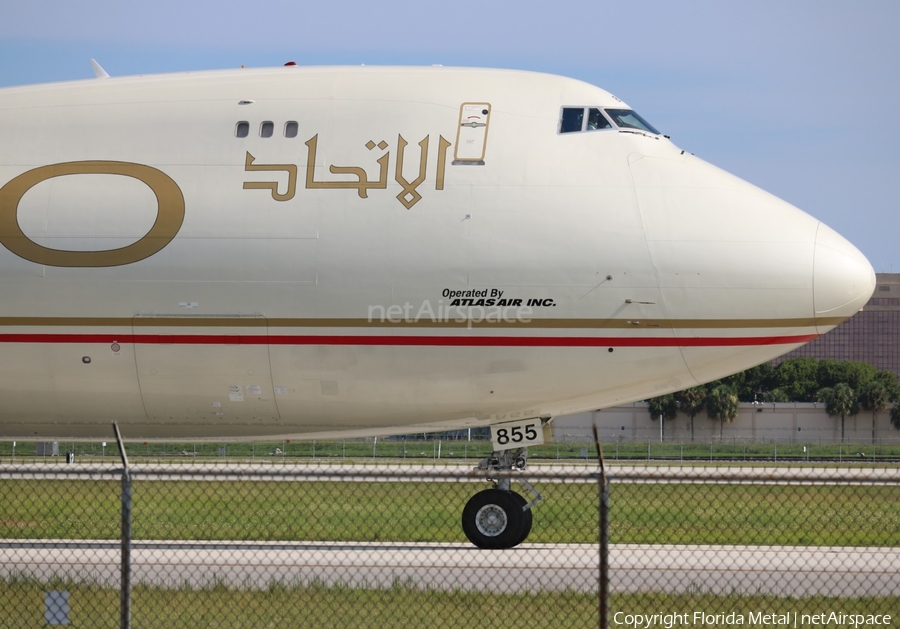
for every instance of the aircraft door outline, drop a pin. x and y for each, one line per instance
(205, 369)
(471, 134)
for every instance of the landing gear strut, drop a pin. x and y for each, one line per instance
(498, 517)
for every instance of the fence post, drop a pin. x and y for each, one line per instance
(604, 551)
(603, 525)
(125, 594)
(125, 586)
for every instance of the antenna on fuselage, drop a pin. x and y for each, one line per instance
(99, 72)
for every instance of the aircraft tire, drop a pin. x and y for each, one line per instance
(527, 518)
(492, 519)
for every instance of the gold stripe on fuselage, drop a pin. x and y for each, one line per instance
(182, 321)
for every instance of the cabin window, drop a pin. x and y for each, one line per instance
(571, 120)
(266, 129)
(290, 129)
(242, 129)
(596, 120)
(629, 119)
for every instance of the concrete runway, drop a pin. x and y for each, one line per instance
(390, 472)
(782, 571)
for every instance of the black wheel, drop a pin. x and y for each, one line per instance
(493, 519)
(527, 518)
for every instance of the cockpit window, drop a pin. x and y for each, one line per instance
(577, 119)
(596, 120)
(572, 119)
(629, 119)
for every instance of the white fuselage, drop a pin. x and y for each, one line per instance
(384, 249)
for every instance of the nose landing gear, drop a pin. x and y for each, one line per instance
(500, 518)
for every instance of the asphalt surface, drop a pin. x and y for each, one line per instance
(391, 472)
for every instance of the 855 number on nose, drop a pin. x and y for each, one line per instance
(519, 434)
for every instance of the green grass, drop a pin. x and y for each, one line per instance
(355, 511)
(750, 452)
(401, 606)
(755, 514)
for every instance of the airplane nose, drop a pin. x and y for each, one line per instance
(843, 279)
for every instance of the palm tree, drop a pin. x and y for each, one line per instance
(722, 405)
(895, 407)
(692, 402)
(874, 396)
(664, 407)
(841, 400)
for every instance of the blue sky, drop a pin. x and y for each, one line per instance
(797, 96)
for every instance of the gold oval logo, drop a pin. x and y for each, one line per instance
(169, 215)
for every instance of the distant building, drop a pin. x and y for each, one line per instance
(872, 335)
(771, 423)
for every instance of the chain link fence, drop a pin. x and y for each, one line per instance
(456, 449)
(264, 546)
